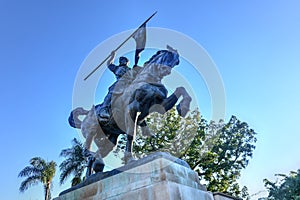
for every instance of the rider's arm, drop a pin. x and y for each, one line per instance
(112, 57)
(110, 64)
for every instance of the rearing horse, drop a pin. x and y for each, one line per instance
(145, 94)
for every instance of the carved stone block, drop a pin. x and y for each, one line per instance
(157, 176)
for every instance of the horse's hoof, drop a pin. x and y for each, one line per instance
(98, 166)
(182, 110)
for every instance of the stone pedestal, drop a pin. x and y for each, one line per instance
(222, 196)
(157, 176)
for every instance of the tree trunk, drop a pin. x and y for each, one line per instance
(47, 191)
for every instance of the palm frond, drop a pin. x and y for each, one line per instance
(76, 170)
(37, 162)
(28, 182)
(76, 146)
(28, 171)
(38, 171)
(74, 163)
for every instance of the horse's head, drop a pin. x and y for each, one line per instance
(163, 61)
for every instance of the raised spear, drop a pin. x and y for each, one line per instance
(143, 24)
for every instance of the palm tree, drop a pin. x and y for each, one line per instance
(38, 171)
(75, 163)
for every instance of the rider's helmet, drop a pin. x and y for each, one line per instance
(123, 61)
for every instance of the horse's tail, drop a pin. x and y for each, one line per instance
(73, 118)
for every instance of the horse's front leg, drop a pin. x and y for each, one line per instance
(183, 106)
(169, 102)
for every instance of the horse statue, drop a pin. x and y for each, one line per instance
(143, 95)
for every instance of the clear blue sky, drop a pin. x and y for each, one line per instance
(255, 46)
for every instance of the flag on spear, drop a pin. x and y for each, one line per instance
(140, 39)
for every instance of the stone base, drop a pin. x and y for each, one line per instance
(157, 176)
(222, 196)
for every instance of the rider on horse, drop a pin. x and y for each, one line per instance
(139, 96)
(124, 76)
(103, 110)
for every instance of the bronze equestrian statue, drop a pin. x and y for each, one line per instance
(136, 94)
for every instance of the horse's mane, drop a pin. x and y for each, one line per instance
(163, 57)
(153, 57)
(150, 69)
(158, 53)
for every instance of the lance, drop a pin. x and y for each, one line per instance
(120, 46)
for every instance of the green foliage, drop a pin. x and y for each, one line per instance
(216, 151)
(233, 147)
(244, 193)
(74, 164)
(38, 171)
(174, 134)
(285, 188)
